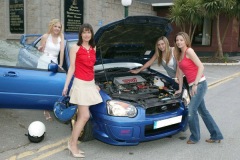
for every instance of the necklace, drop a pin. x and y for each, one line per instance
(86, 47)
(88, 50)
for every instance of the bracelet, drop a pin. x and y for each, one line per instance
(195, 84)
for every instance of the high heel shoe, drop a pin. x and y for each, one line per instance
(76, 155)
(213, 141)
(80, 151)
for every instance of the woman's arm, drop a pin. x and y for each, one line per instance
(174, 54)
(180, 80)
(146, 65)
(61, 51)
(71, 69)
(193, 56)
(43, 43)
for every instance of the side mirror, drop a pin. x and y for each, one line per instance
(53, 67)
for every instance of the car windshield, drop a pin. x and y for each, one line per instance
(9, 52)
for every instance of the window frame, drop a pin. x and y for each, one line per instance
(206, 21)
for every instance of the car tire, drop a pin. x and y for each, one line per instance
(87, 133)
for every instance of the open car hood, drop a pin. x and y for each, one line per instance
(131, 39)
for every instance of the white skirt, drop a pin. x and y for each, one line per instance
(44, 60)
(84, 93)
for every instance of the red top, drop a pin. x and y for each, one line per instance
(84, 65)
(189, 68)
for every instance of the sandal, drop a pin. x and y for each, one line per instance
(213, 141)
(190, 142)
(47, 115)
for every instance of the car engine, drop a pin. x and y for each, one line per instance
(144, 88)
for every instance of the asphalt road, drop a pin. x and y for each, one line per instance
(222, 100)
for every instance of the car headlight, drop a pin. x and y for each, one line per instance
(185, 97)
(120, 108)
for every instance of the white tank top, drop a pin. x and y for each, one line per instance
(51, 49)
(171, 64)
(171, 67)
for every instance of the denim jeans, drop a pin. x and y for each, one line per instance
(197, 105)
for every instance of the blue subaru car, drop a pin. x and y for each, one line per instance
(135, 108)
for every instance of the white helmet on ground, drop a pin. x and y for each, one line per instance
(36, 131)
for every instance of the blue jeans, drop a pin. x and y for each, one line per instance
(197, 105)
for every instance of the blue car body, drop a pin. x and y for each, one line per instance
(121, 46)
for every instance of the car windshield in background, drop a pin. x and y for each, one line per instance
(70, 44)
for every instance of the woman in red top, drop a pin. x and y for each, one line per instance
(190, 65)
(83, 92)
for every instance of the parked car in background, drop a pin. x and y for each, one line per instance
(135, 108)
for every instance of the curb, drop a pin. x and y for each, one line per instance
(221, 64)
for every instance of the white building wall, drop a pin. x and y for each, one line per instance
(37, 14)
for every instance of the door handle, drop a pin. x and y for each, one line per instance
(10, 74)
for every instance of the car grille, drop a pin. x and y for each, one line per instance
(162, 108)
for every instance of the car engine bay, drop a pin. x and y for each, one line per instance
(144, 88)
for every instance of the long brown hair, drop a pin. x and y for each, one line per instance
(86, 27)
(159, 52)
(187, 41)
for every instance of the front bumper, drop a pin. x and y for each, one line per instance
(132, 131)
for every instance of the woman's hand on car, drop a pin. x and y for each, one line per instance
(40, 48)
(60, 67)
(178, 92)
(136, 71)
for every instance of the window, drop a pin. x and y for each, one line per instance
(16, 16)
(203, 32)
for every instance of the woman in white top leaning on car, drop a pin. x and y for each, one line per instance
(165, 55)
(51, 44)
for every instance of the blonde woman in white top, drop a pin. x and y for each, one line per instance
(51, 44)
(165, 56)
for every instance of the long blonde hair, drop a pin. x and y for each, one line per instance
(187, 41)
(159, 52)
(52, 23)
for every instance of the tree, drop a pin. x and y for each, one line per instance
(213, 10)
(236, 10)
(190, 13)
(178, 14)
(186, 14)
